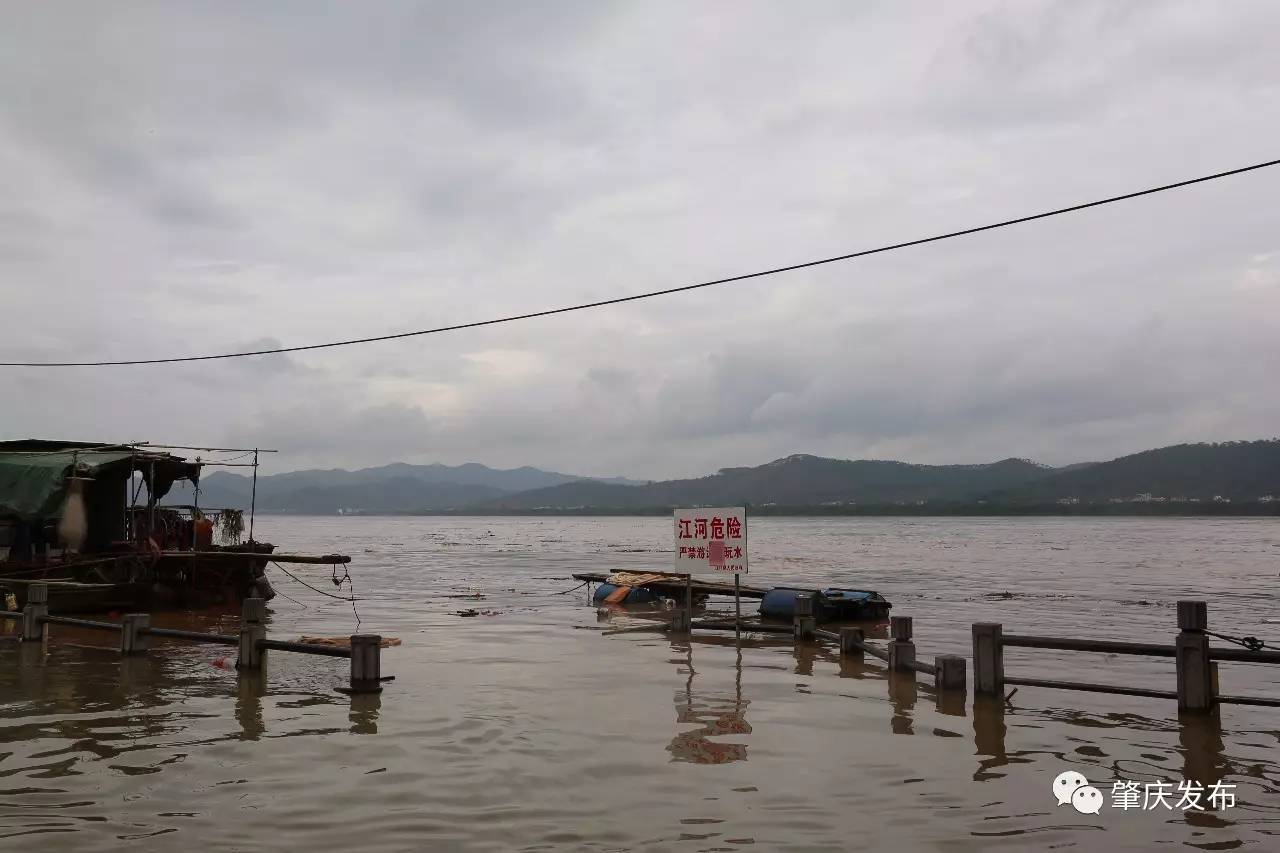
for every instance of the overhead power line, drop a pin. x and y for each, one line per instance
(655, 293)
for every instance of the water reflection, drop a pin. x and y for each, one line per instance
(902, 696)
(715, 714)
(1200, 743)
(364, 713)
(251, 686)
(989, 732)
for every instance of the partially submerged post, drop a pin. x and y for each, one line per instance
(988, 659)
(366, 664)
(252, 631)
(1191, 651)
(902, 651)
(949, 672)
(37, 607)
(803, 621)
(682, 617)
(737, 607)
(851, 643)
(133, 637)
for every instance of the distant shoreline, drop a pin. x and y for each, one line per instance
(1202, 510)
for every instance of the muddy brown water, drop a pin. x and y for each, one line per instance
(527, 728)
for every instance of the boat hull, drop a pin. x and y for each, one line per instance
(144, 582)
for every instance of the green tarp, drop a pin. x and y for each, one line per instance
(34, 485)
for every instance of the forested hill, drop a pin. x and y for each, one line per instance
(398, 487)
(794, 481)
(1237, 471)
(1242, 472)
(1182, 478)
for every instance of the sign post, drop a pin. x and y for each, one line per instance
(714, 539)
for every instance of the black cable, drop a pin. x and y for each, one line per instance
(309, 586)
(1253, 644)
(651, 294)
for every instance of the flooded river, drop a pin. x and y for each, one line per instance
(526, 727)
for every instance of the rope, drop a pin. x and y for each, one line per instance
(346, 578)
(1253, 644)
(309, 586)
(567, 591)
(291, 598)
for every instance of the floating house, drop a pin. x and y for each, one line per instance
(70, 518)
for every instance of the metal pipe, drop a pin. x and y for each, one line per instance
(749, 627)
(1091, 688)
(80, 623)
(922, 666)
(874, 652)
(195, 636)
(253, 497)
(1249, 700)
(1071, 644)
(1245, 655)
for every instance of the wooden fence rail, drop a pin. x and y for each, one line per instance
(135, 629)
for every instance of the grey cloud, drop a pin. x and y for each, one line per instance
(202, 177)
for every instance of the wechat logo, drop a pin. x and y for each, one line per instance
(1070, 787)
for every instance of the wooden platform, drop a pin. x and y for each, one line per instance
(675, 587)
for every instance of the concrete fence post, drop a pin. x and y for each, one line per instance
(132, 639)
(253, 613)
(949, 672)
(988, 659)
(33, 613)
(803, 621)
(366, 663)
(250, 655)
(1191, 652)
(902, 651)
(851, 643)
(253, 610)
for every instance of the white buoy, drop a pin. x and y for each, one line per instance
(74, 526)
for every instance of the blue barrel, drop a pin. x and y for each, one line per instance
(829, 605)
(780, 602)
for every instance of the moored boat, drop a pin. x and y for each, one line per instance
(68, 520)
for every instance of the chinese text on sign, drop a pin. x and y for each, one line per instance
(711, 540)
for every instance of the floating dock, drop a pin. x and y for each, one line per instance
(675, 587)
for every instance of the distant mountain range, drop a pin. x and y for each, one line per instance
(1212, 475)
(398, 487)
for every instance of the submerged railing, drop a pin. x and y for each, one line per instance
(1196, 662)
(135, 630)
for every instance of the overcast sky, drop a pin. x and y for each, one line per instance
(192, 178)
